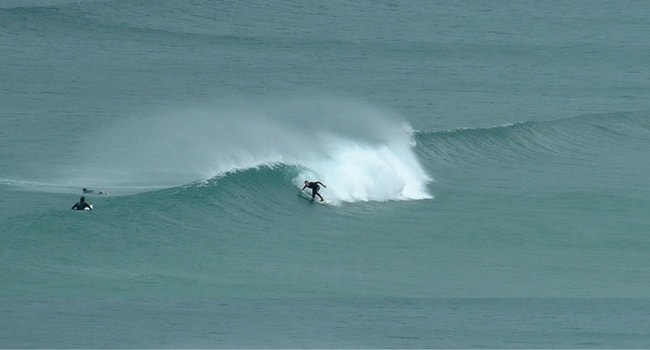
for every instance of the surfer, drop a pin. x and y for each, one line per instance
(81, 205)
(87, 191)
(314, 188)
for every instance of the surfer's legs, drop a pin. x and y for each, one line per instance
(314, 194)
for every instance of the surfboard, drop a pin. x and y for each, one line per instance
(89, 209)
(307, 197)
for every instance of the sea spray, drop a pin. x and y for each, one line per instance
(363, 152)
(359, 171)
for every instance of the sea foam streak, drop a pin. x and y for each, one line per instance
(360, 152)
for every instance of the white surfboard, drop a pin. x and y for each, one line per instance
(306, 196)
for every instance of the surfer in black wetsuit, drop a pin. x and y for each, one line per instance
(81, 205)
(314, 188)
(87, 191)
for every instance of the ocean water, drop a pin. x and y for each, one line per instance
(487, 163)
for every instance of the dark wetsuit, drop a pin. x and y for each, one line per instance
(81, 205)
(87, 191)
(314, 189)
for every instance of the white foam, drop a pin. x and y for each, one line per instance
(354, 171)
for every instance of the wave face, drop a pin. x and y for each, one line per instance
(584, 153)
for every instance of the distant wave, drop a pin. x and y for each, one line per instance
(180, 23)
(74, 18)
(35, 4)
(577, 135)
